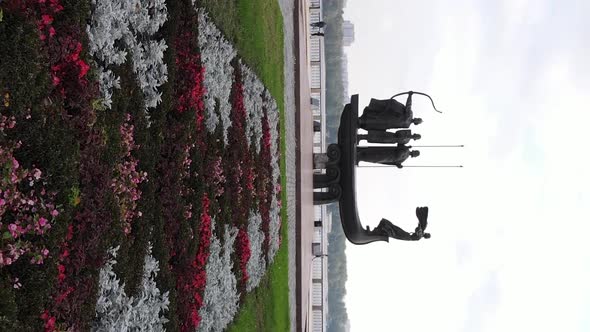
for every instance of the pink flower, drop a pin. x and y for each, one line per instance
(56, 81)
(45, 252)
(42, 222)
(37, 260)
(51, 32)
(54, 213)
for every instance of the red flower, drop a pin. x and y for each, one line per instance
(57, 7)
(244, 252)
(61, 269)
(46, 19)
(64, 254)
(63, 295)
(49, 321)
(70, 233)
(50, 324)
(195, 318)
(83, 68)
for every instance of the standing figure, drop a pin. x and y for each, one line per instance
(317, 126)
(385, 227)
(401, 137)
(386, 155)
(388, 113)
(319, 24)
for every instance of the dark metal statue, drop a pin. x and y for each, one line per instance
(386, 155)
(390, 113)
(401, 137)
(385, 227)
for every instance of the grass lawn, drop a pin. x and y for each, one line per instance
(255, 27)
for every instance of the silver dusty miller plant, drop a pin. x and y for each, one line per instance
(216, 55)
(115, 311)
(256, 266)
(120, 27)
(220, 299)
(253, 91)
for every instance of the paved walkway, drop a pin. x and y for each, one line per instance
(304, 172)
(287, 9)
(299, 143)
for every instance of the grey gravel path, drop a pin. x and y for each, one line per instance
(287, 9)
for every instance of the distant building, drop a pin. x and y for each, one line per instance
(347, 33)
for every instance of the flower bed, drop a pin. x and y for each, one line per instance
(136, 220)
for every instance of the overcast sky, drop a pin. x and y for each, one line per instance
(509, 248)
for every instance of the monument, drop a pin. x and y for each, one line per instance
(341, 160)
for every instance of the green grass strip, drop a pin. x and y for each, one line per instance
(255, 27)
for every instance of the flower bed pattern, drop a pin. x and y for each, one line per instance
(139, 221)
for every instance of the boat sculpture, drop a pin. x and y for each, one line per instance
(340, 178)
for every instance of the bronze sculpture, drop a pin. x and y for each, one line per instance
(385, 227)
(386, 155)
(390, 113)
(400, 137)
(340, 162)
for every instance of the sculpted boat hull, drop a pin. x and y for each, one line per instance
(347, 142)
